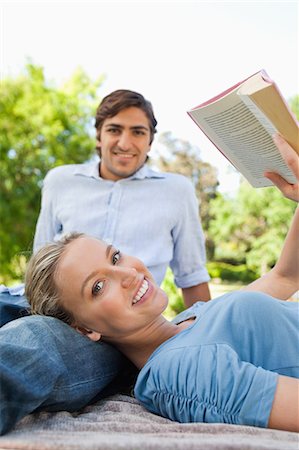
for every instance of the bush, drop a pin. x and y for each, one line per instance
(229, 272)
(176, 302)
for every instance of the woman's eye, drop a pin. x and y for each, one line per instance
(97, 287)
(116, 257)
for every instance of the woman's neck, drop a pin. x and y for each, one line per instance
(138, 348)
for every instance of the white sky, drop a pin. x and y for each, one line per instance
(176, 53)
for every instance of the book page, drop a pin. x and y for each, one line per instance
(242, 138)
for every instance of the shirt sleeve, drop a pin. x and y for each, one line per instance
(47, 224)
(207, 383)
(189, 256)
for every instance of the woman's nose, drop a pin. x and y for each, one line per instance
(128, 276)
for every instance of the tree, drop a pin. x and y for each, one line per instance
(251, 227)
(42, 126)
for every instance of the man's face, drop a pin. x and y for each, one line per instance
(124, 143)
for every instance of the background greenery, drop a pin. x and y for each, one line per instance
(44, 125)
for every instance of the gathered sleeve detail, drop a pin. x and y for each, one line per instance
(206, 383)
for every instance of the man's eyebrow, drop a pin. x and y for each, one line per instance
(140, 127)
(94, 272)
(111, 124)
(134, 127)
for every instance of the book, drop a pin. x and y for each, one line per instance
(241, 121)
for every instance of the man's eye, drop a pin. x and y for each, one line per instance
(97, 287)
(116, 257)
(113, 130)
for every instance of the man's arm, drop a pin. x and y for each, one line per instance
(200, 292)
(47, 225)
(285, 408)
(189, 253)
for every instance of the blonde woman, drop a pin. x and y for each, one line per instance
(234, 359)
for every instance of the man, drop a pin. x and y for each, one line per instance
(45, 365)
(149, 214)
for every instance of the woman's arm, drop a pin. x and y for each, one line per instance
(283, 280)
(285, 408)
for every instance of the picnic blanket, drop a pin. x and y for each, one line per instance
(120, 422)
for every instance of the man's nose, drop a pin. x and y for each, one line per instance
(124, 141)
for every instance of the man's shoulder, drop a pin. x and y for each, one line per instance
(62, 171)
(176, 176)
(178, 181)
(171, 177)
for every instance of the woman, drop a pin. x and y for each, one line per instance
(233, 359)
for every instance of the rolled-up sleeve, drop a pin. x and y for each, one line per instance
(189, 255)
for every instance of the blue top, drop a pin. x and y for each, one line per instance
(153, 216)
(224, 367)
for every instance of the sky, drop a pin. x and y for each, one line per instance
(178, 54)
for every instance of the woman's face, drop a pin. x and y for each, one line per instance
(106, 291)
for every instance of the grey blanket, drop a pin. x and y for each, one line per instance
(119, 422)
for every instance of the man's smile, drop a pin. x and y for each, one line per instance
(122, 154)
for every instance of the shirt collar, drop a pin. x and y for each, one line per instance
(146, 172)
(92, 170)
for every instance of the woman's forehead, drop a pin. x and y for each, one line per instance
(82, 248)
(79, 256)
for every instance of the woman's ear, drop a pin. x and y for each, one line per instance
(92, 335)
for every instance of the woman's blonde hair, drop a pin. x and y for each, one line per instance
(40, 287)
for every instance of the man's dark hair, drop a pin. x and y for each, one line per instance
(121, 99)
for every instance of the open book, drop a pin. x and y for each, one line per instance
(241, 121)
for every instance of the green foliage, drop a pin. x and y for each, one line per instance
(176, 302)
(229, 272)
(294, 105)
(42, 126)
(250, 228)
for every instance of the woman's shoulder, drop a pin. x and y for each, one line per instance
(189, 313)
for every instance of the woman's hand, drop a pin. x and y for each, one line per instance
(291, 158)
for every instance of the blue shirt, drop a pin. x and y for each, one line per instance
(150, 215)
(224, 367)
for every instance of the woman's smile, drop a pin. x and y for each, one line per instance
(144, 292)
